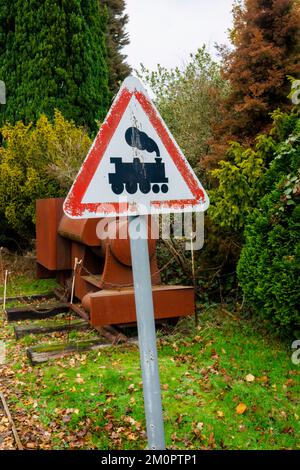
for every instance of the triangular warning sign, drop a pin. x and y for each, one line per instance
(134, 165)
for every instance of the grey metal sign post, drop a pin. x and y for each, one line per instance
(134, 166)
(138, 232)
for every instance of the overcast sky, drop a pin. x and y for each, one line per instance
(167, 31)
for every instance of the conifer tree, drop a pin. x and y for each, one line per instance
(266, 40)
(8, 72)
(53, 55)
(117, 38)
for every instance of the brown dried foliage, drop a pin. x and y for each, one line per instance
(266, 40)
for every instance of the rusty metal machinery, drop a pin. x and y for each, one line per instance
(103, 281)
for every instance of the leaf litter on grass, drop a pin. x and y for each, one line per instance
(94, 400)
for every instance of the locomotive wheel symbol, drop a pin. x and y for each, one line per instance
(118, 188)
(131, 187)
(145, 187)
(164, 188)
(139, 174)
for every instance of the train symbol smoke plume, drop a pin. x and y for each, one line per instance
(141, 141)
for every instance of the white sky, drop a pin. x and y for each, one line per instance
(167, 31)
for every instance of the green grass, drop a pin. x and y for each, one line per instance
(94, 400)
(25, 286)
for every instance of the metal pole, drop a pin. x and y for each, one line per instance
(73, 280)
(146, 331)
(5, 287)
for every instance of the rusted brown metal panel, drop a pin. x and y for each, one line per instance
(53, 251)
(104, 281)
(117, 274)
(108, 307)
(44, 273)
(117, 237)
(83, 230)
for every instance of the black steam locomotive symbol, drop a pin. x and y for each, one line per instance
(139, 175)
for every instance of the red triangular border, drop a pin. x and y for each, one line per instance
(73, 205)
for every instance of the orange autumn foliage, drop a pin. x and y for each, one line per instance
(266, 40)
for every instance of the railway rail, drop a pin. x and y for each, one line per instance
(71, 317)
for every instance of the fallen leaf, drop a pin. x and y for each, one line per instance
(129, 419)
(290, 382)
(30, 445)
(132, 437)
(241, 408)
(79, 380)
(263, 379)
(249, 378)
(211, 440)
(288, 430)
(220, 414)
(214, 354)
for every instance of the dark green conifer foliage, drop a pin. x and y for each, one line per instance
(8, 72)
(117, 38)
(53, 55)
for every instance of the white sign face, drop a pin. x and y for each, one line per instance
(134, 165)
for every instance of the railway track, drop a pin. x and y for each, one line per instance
(51, 314)
(51, 317)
